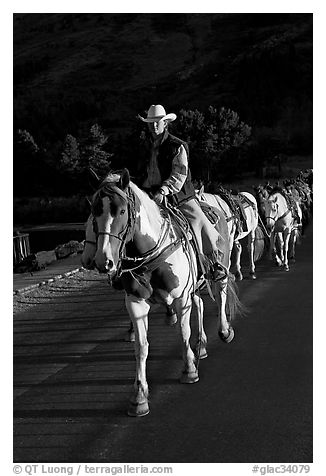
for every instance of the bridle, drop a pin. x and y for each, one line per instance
(98, 233)
(278, 218)
(127, 232)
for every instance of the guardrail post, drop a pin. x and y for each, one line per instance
(21, 247)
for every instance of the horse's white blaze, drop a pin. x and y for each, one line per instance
(103, 253)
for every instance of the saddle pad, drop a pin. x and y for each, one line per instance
(210, 213)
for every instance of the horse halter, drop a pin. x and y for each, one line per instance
(125, 234)
(98, 233)
(272, 218)
(278, 218)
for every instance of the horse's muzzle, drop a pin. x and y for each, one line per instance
(108, 268)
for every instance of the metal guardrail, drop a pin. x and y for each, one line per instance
(21, 247)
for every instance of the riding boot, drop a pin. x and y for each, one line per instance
(216, 270)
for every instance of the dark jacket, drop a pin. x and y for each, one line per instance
(168, 149)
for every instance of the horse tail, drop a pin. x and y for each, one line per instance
(234, 307)
(260, 243)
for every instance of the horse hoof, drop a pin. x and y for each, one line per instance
(171, 319)
(189, 377)
(201, 353)
(286, 268)
(238, 276)
(130, 337)
(229, 338)
(252, 276)
(138, 409)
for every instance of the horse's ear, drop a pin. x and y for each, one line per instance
(201, 190)
(94, 179)
(124, 179)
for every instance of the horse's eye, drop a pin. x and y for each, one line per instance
(122, 211)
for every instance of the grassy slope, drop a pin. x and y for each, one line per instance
(72, 70)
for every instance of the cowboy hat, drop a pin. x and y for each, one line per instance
(157, 113)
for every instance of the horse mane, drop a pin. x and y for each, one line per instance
(152, 208)
(110, 185)
(277, 189)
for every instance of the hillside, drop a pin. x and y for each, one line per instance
(74, 70)
(71, 69)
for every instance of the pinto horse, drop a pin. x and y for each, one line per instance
(255, 244)
(157, 264)
(281, 222)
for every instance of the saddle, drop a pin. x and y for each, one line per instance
(236, 204)
(205, 269)
(135, 278)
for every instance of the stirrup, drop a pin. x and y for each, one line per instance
(217, 273)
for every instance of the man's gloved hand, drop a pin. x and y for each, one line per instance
(158, 197)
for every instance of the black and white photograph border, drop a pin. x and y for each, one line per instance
(259, 404)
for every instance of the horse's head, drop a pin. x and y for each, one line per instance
(111, 220)
(270, 208)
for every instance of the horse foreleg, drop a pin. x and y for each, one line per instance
(130, 334)
(237, 247)
(251, 249)
(138, 312)
(225, 332)
(281, 247)
(286, 249)
(292, 245)
(272, 250)
(201, 351)
(183, 309)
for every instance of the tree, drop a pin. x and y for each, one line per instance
(94, 154)
(211, 135)
(70, 157)
(226, 129)
(26, 142)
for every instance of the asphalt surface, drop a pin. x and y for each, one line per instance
(73, 375)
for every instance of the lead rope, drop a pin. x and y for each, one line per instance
(263, 226)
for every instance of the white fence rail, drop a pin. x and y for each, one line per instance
(21, 247)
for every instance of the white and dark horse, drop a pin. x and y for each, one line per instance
(255, 243)
(157, 265)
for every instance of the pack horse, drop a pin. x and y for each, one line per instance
(251, 230)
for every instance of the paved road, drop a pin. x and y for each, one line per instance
(73, 374)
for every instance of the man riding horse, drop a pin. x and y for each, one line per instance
(163, 171)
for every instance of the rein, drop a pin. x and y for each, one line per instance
(90, 242)
(282, 216)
